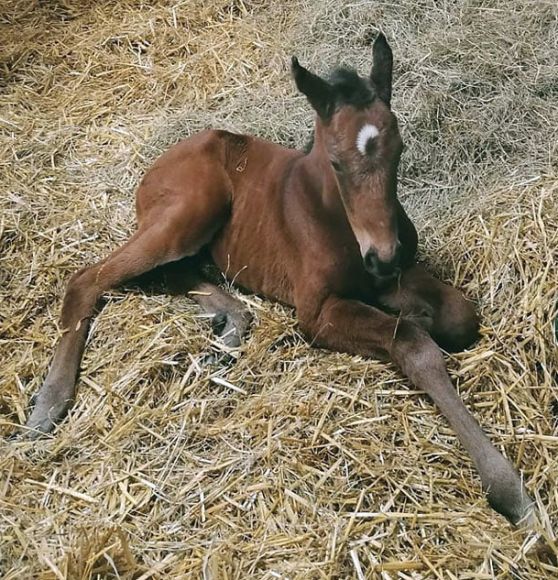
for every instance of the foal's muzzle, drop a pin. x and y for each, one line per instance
(380, 268)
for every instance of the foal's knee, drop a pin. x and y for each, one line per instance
(456, 325)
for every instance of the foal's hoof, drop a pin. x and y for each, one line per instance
(513, 502)
(519, 511)
(47, 412)
(217, 358)
(230, 327)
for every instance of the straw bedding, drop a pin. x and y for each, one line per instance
(292, 462)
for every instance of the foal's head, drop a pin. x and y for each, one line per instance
(358, 132)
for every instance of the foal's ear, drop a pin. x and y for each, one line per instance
(382, 68)
(318, 92)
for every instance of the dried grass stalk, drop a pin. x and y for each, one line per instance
(292, 462)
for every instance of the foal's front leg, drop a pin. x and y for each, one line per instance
(354, 327)
(441, 309)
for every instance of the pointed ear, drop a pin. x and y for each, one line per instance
(382, 68)
(318, 92)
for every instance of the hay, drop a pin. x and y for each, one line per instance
(292, 462)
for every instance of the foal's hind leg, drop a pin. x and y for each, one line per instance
(230, 318)
(144, 251)
(440, 309)
(160, 243)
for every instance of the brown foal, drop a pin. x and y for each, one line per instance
(322, 231)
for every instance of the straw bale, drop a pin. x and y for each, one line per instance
(288, 462)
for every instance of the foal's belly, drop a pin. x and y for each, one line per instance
(251, 250)
(250, 259)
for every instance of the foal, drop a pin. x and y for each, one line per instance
(322, 231)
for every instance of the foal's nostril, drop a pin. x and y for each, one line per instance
(370, 261)
(386, 268)
(377, 267)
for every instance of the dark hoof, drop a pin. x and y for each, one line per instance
(230, 327)
(49, 408)
(218, 359)
(520, 513)
(508, 496)
(218, 323)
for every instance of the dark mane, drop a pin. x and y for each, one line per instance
(350, 88)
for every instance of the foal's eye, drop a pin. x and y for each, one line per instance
(336, 165)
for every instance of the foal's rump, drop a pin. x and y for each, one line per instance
(188, 181)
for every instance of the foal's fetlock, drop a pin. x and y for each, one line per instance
(50, 407)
